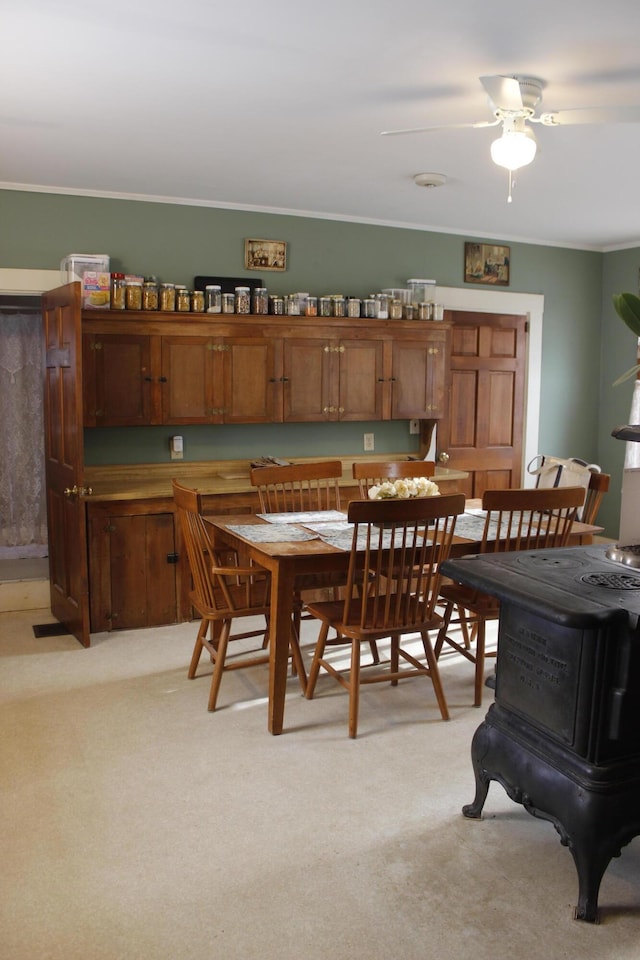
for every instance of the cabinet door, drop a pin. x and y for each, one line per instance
(120, 380)
(418, 379)
(132, 570)
(252, 385)
(188, 380)
(361, 379)
(307, 380)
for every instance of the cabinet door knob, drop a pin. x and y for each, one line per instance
(162, 379)
(443, 457)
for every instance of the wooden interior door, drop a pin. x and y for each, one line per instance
(483, 432)
(64, 460)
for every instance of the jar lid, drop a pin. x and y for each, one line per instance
(167, 285)
(242, 289)
(213, 286)
(117, 276)
(134, 283)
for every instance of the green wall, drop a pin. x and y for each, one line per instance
(583, 348)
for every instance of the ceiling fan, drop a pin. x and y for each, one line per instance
(513, 101)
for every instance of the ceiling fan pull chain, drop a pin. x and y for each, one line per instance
(510, 175)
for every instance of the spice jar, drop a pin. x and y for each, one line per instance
(324, 306)
(149, 295)
(369, 308)
(311, 307)
(338, 306)
(424, 310)
(382, 303)
(395, 310)
(167, 296)
(276, 306)
(260, 301)
(213, 298)
(293, 305)
(353, 307)
(228, 303)
(438, 311)
(243, 300)
(133, 294)
(183, 300)
(197, 301)
(117, 291)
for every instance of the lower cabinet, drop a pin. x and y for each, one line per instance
(135, 571)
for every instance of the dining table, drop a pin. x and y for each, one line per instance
(312, 544)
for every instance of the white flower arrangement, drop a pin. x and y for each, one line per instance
(404, 489)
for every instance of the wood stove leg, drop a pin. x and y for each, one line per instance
(473, 811)
(590, 865)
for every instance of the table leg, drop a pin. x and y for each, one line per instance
(282, 584)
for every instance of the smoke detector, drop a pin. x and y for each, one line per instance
(429, 179)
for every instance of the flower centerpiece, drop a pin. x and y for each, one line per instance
(404, 489)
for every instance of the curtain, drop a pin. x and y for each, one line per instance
(23, 511)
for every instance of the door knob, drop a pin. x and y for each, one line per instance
(443, 457)
(71, 491)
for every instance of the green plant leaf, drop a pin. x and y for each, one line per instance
(627, 306)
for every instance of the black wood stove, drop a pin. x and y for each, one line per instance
(563, 736)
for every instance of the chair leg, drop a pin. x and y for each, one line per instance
(298, 662)
(314, 670)
(394, 659)
(442, 632)
(354, 689)
(435, 675)
(197, 650)
(218, 664)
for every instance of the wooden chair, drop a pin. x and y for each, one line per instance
(391, 591)
(519, 519)
(301, 487)
(369, 474)
(222, 593)
(298, 486)
(598, 486)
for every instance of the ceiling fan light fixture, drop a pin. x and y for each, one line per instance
(516, 147)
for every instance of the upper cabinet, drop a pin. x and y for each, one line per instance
(174, 369)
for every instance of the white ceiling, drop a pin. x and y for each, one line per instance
(278, 105)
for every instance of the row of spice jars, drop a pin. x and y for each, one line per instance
(135, 293)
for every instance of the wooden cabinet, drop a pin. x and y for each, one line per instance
(165, 369)
(134, 568)
(332, 379)
(120, 379)
(419, 378)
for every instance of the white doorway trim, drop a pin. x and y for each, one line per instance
(532, 306)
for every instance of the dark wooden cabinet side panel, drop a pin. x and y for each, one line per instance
(160, 570)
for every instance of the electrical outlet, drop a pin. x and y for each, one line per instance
(176, 448)
(369, 442)
(414, 426)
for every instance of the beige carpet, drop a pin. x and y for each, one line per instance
(138, 826)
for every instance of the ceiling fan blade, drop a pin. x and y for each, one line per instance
(504, 92)
(445, 126)
(592, 115)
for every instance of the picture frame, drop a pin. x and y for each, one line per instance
(265, 255)
(487, 263)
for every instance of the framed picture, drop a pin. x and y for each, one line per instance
(486, 263)
(265, 255)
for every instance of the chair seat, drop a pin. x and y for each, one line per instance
(332, 612)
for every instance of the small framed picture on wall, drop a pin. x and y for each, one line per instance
(265, 255)
(487, 263)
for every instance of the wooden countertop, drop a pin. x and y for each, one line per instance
(152, 481)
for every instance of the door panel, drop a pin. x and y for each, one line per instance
(64, 460)
(483, 433)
